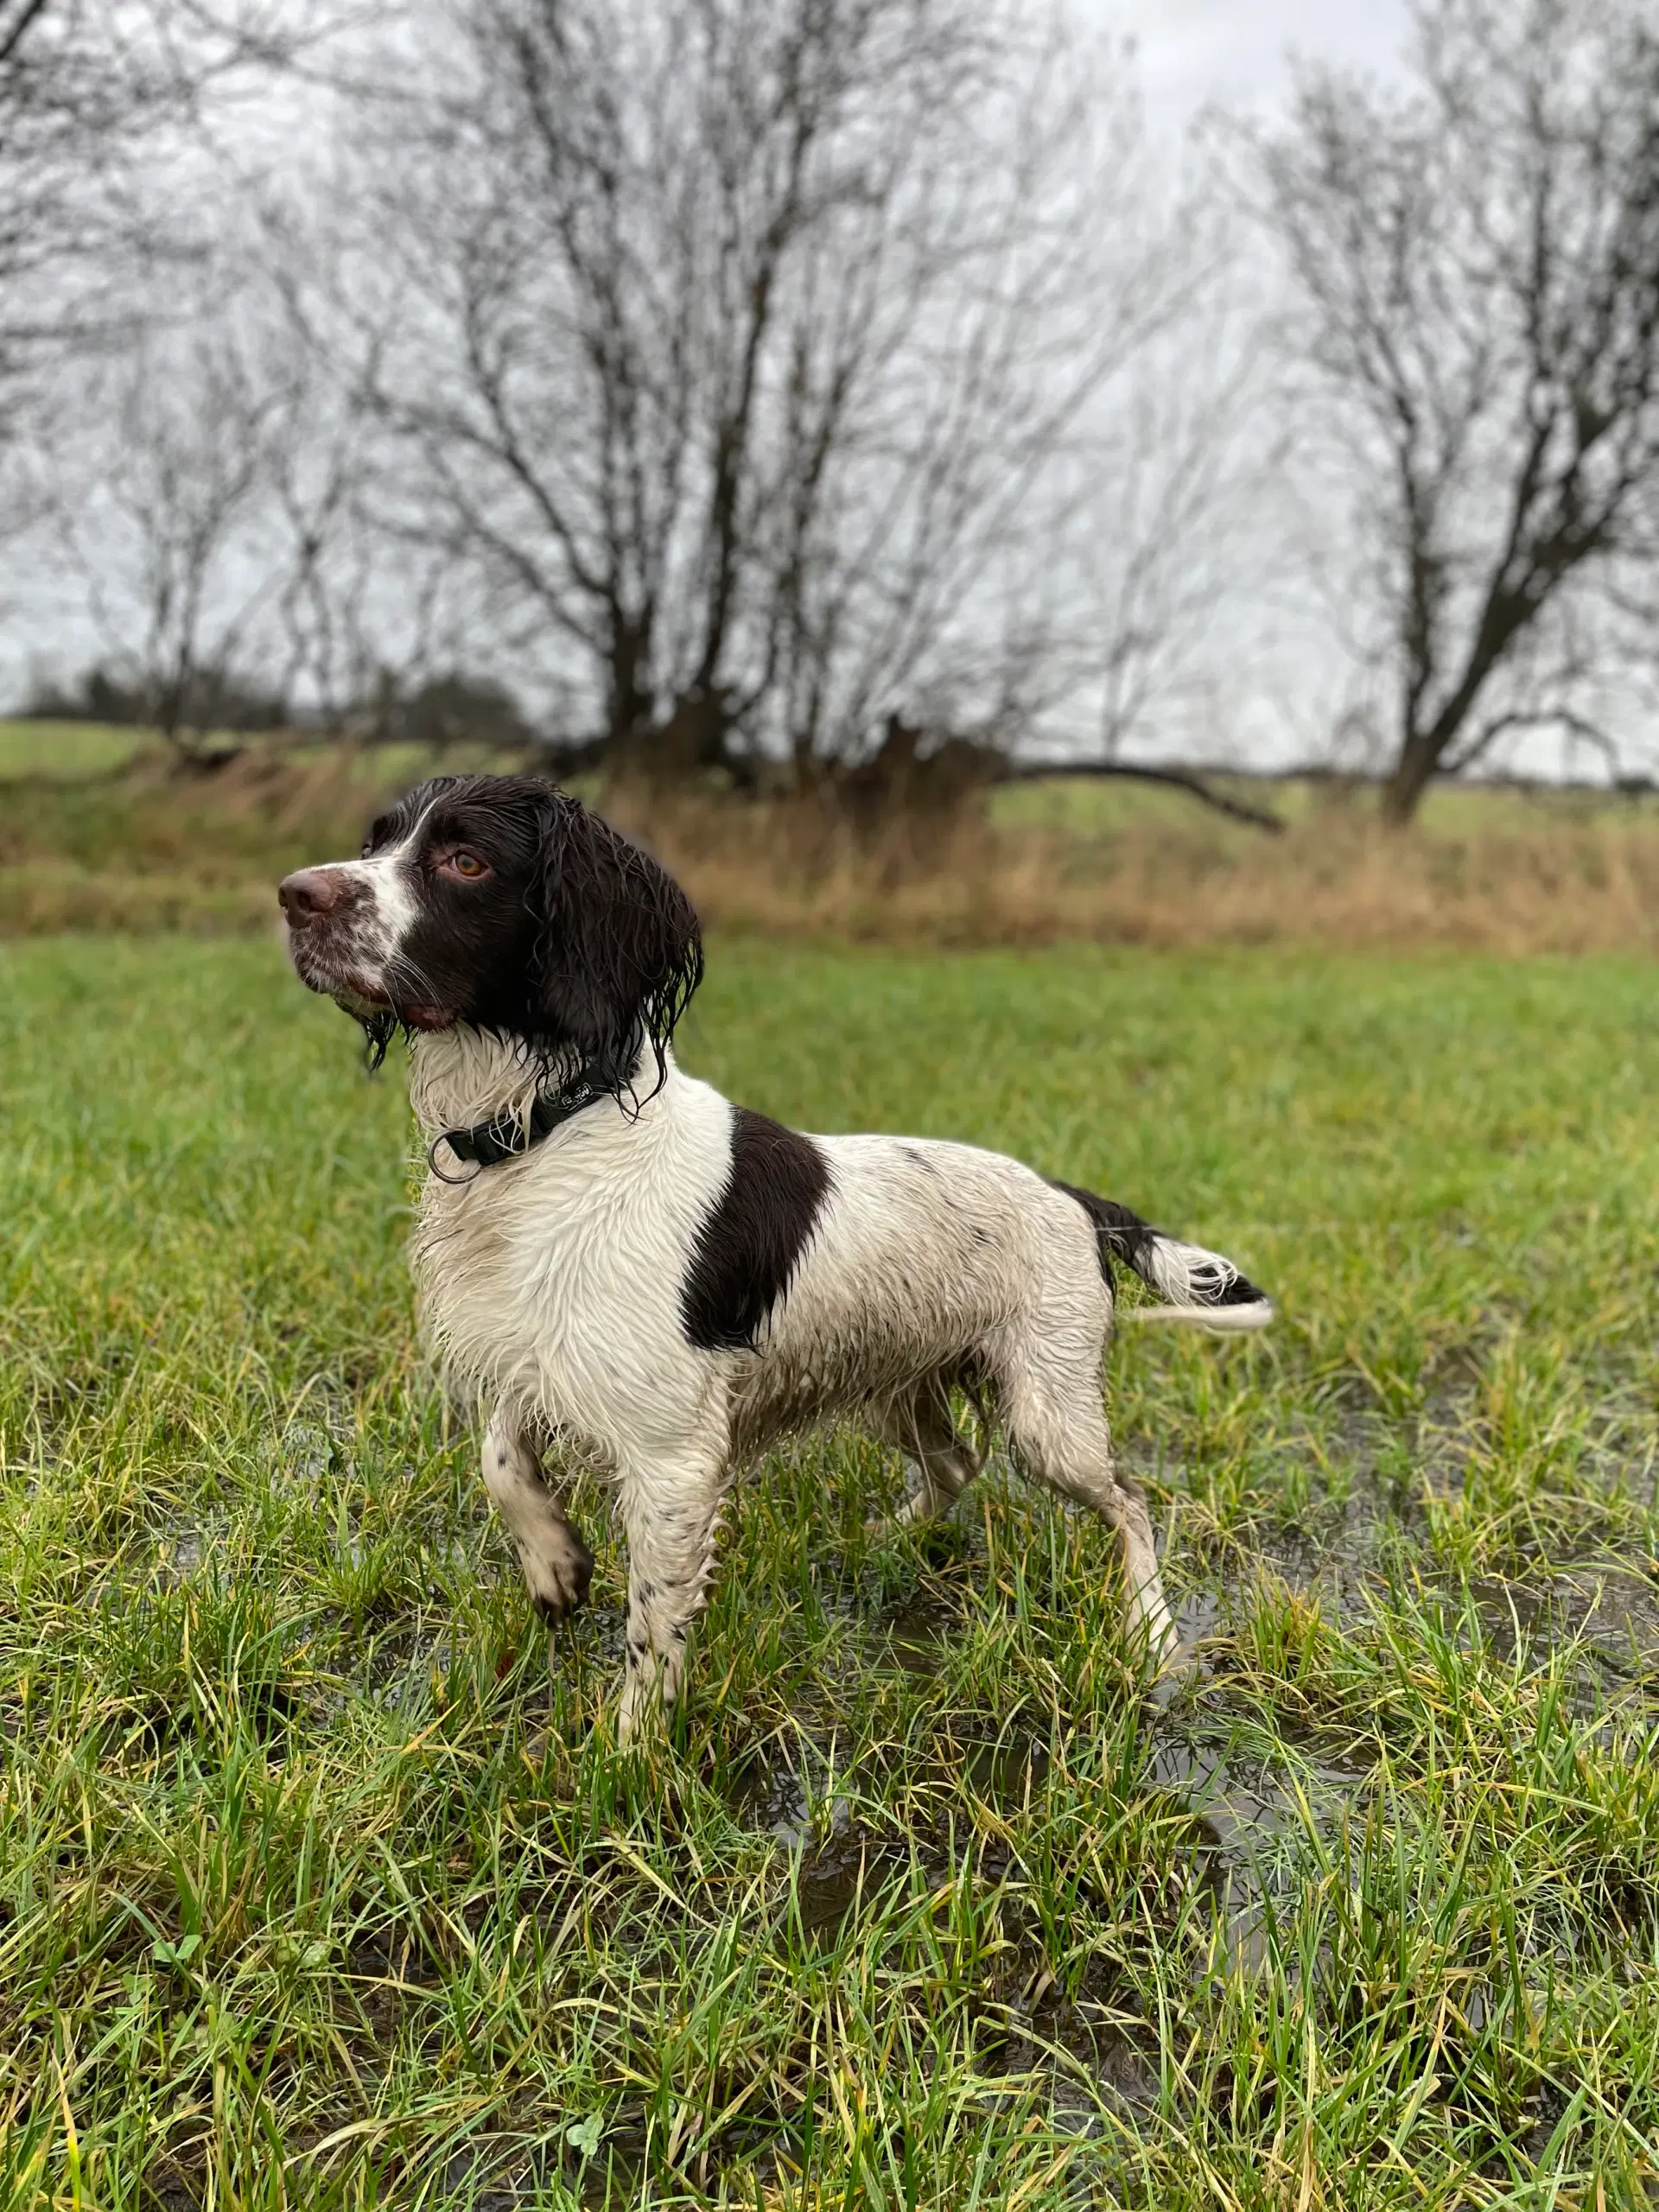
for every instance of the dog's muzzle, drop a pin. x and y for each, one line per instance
(326, 910)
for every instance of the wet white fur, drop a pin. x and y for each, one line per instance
(1220, 1320)
(552, 1283)
(1186, 1274)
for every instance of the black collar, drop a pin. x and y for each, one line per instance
(503, 1137)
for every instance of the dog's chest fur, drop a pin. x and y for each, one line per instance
(554, 1279)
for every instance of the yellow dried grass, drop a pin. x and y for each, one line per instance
(1336, 878)
(1484, 871)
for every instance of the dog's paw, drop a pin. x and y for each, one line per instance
(919, 1506)
(642, 1710)
(558, 1570)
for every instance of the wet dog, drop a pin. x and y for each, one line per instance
(614, 1257)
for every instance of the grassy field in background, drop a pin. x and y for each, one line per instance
(81, 753)
(138, 845)
(321, 1879)
(71, 752)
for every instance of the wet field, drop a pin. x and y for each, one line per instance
(322, 1881)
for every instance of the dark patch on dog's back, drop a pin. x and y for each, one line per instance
(748, 1248)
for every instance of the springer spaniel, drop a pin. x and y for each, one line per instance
(619, 1258)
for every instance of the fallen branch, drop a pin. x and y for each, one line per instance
(1180, 779)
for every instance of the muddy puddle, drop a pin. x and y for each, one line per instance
(796, 1800)
(915, 1636)
(1104, 2037)
(1373, 1520)
(602, 2171)
(1245, 1819)
(1250, 1817)
(1610, 1613)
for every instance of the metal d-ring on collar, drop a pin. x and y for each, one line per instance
(503, 1137)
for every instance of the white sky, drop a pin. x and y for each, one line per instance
(1236, 52)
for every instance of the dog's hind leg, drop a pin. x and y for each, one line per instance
(1057, 1428)
(671, 1511)
(920, 1424)
(558, 1567)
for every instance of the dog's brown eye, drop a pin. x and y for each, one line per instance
(468, 865)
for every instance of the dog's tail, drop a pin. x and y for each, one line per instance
(1201, 1288)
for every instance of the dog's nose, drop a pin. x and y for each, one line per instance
(310, 895)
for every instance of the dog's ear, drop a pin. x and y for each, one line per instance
(617, 942)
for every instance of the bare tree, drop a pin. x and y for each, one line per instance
(1477, 256)
(341, 651)
(107, 109)
(1173, 493)
(76, 104)
(741, 346)
(88, 90)
(210, 504)
(170, 526)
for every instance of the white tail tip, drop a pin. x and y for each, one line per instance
(1221, 1321)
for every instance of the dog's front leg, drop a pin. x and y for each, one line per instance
(671, 1513)
(558, 1567)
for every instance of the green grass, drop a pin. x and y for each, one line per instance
(322, 1881)
(73, 752)
(66, 751)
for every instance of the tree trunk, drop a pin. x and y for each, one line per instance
(1403, 792)
(628, 708)
(1420, 754)
(691, 742)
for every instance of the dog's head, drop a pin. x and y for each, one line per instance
(498, 901)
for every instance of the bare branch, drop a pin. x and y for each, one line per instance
(15, 23)
(1179, 780)
(747, 347)
(1477, 259)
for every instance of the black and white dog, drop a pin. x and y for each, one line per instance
(615, 1256)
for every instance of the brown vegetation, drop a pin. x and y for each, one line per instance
(1497, 871)
(1513, 883)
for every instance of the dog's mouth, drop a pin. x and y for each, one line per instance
(412, 1013)
(363, 996)
(359, 998)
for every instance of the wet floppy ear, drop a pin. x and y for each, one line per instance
(618, 942)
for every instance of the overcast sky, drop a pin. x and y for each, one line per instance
(1195, 51)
